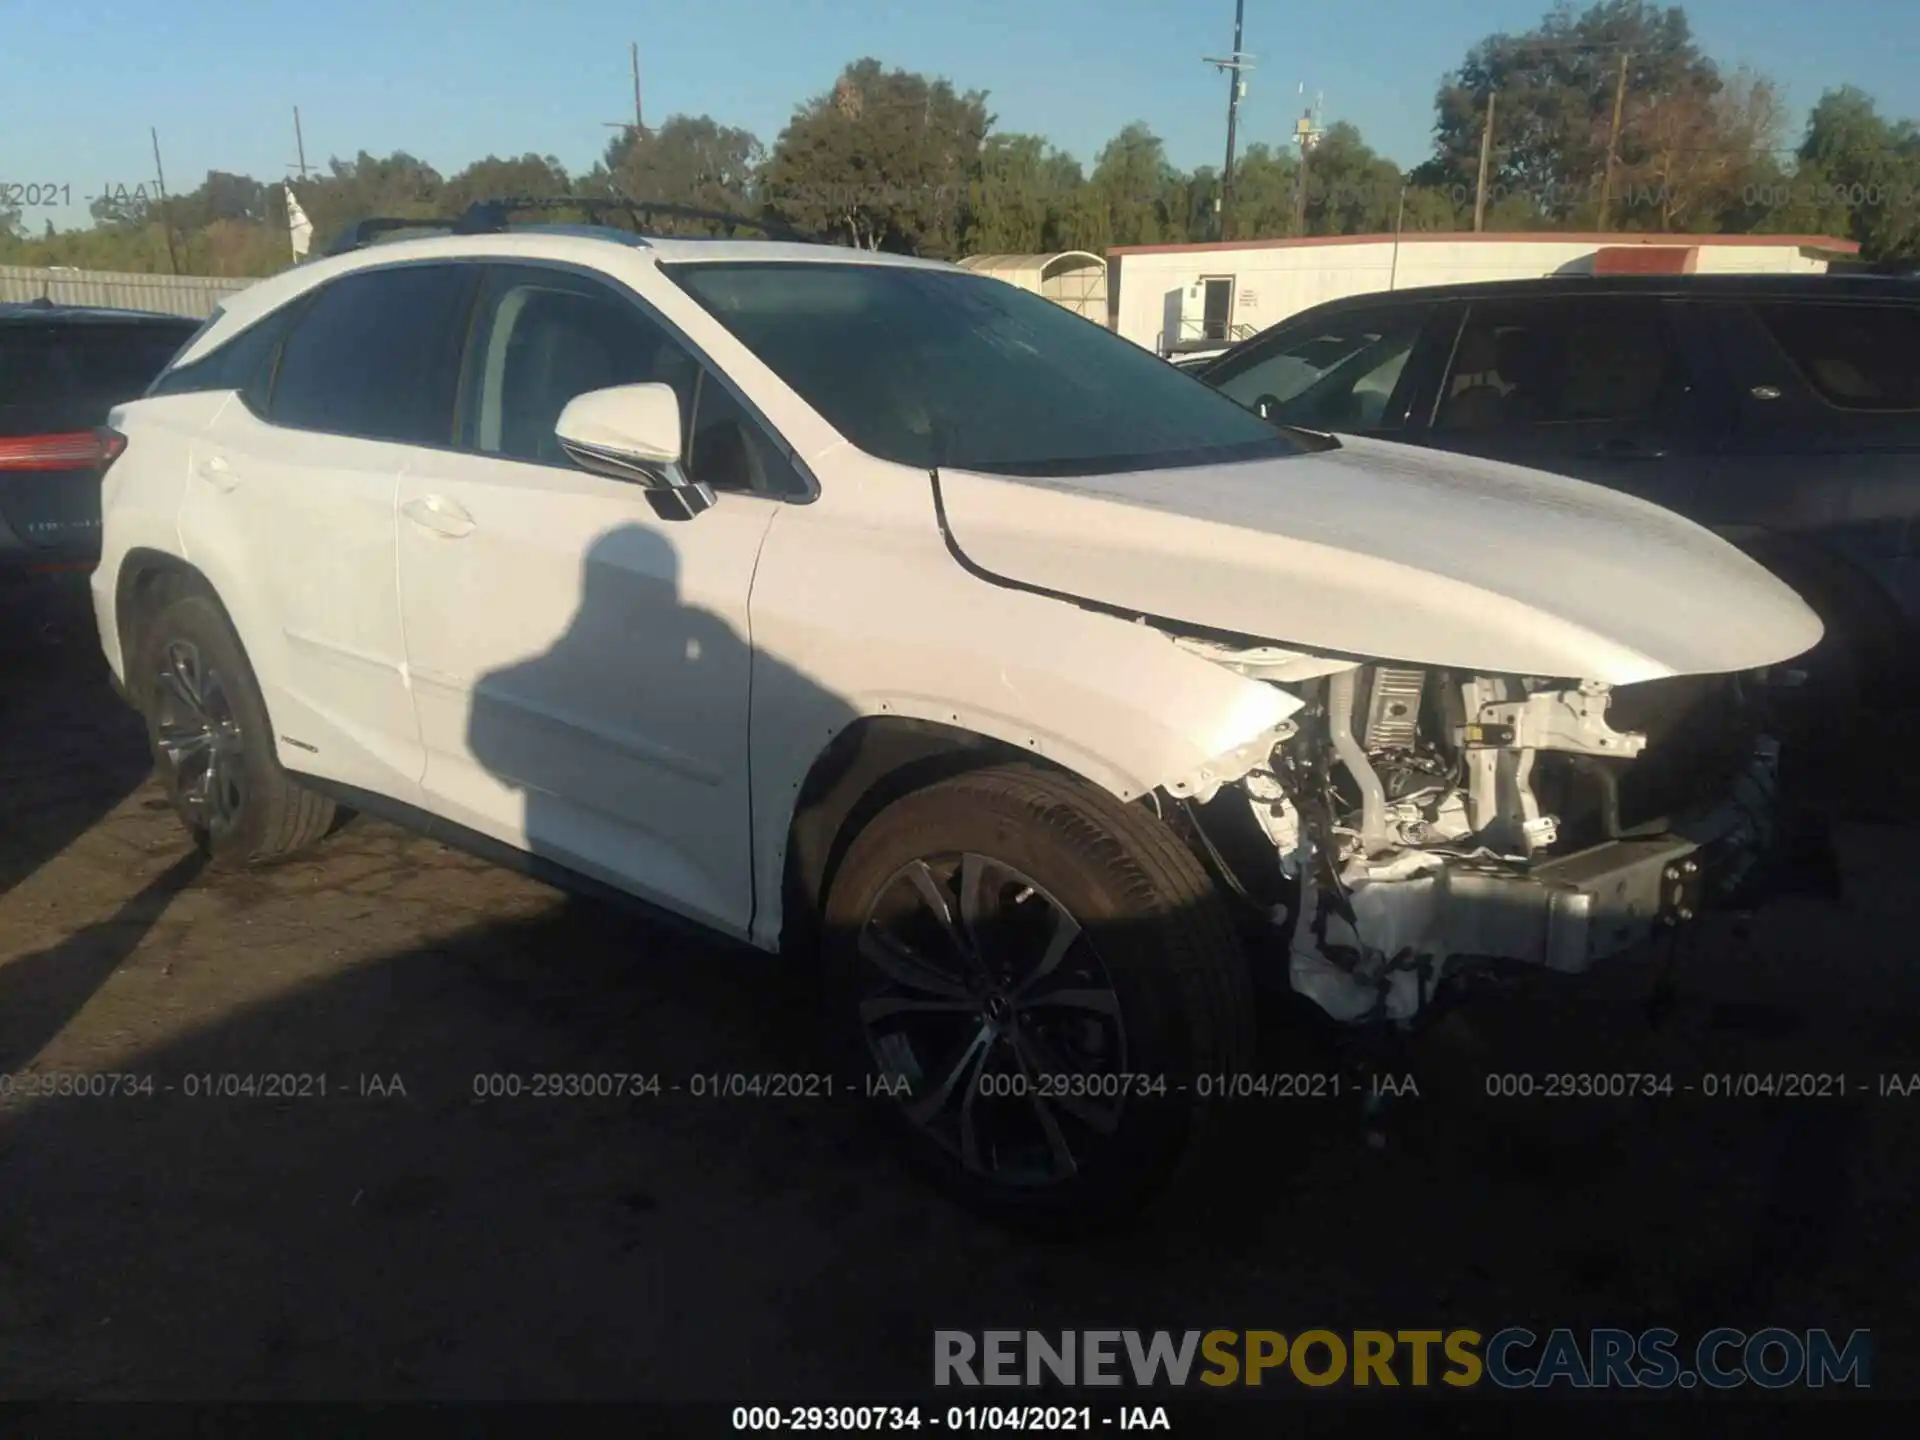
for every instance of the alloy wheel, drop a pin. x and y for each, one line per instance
(986, 997)
(198, 732)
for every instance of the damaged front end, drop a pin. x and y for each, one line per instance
(1409, 825)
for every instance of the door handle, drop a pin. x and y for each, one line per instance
(1619, 449)
(440, 515)
(217, 472)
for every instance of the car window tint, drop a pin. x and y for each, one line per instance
(932, 367)
(545, 336)
(376, 355)
(244, 362)
(1560, 363)
(68, 375)
(1336, 374)
(731, 450)
(1858, 357)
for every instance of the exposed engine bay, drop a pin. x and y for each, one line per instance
(1418, 823)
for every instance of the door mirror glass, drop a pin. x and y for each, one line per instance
(629, 431)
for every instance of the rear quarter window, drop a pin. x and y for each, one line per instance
(242, 362)
(1854, 356)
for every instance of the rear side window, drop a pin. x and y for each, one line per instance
(1562, 362)
(243, 363)
(376, 355)
(1857, 357)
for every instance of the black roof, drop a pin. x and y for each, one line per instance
(1860, 285)
(44, 311)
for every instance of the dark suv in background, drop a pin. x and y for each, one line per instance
(1784, 411)
(62, 368)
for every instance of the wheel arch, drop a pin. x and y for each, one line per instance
(1835, 586)
(147, 578)
(144, 578)
(872, 762)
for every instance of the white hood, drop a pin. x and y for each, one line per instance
(1397, 553)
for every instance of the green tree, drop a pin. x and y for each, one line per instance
(1351, 189)
(1553, 110)
(1263, 188)
(886, 159)
(524, 177)
(691, 160)
(1144, 196)
(1854, 157)
(1030, 199)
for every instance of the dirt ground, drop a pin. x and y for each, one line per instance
(400, 1238)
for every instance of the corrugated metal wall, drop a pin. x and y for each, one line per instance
(190, 295)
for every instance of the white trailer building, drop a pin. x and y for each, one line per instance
(1074, 279)
(1177, 299)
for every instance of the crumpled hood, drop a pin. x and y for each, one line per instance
(1393, 552)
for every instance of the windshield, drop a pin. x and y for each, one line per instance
(939, 368)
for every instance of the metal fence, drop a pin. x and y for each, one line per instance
(191, 295)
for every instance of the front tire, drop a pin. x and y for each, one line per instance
(212, 743)
(1033, 974)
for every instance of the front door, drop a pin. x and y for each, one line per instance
(1216, 314)
(580, 664)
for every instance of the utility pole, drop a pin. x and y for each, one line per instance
(637, 126)
(299, 143)
(1486, 155)
(166, 221)
(1613, 142)
(1232, 64)
(1306, 133)
(1399, 222)
(639, 121)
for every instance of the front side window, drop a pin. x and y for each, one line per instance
(1334, 374)
(1561, 362)
(942, 368)
(1857, 357)
(376, 355)
(730, 450)
(543, 337)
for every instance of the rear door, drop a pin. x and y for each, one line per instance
(1827, 447)
(289, 509)
(58, 381)
(1608, 389)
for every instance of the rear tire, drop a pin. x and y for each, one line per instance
(212, 742)
(1048, 1020)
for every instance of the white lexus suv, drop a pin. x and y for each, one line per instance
(871, 611)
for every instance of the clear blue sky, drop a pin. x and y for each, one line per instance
(452, 80)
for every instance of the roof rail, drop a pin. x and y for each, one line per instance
(491, 217)
(494, 214)
(364, 232)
